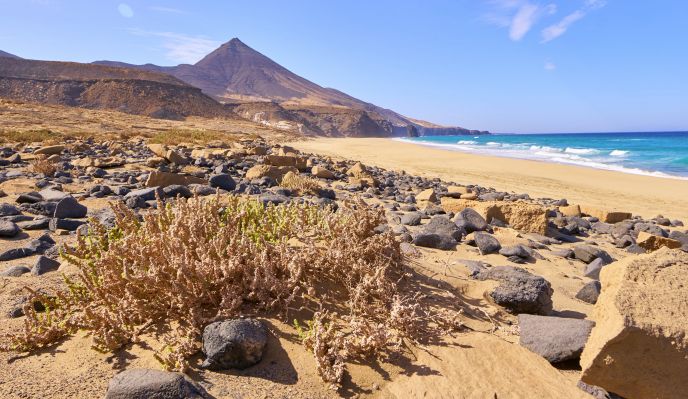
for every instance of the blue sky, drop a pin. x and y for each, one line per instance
(501, 65)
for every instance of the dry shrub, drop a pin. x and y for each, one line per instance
(301, 184)
(27, 136)
(42, 165)
(195, 261)
(176, 136)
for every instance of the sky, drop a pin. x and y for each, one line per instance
(515, 66)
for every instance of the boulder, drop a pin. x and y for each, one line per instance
(592, 270)
(158, 149)
(237, 343)
(440, 233)
(428, 195)
(571, 210)
(274, 172)
(639, 346)
(519, 291)
(8, 229)
(590, 292)
(69, 207)
(521, 216)
(153, 384)
(157, 178)
(319, 171)
(9, 210)
(606, 216)
(411, 219)
(486, 243)
(222, 181)
(176, 158)
(50, 150)
(15, 271)
(557, 339)
(44, 265)
(456, 191)
(437, 241)
(470, 220)
(652, 242)
(286, 160)
(588, 253)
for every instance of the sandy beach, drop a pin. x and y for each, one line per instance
(642, 195)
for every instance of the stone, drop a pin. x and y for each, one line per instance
(49, 150)
(44, 265)
(590, 292)
(571, 210)
(70, 208)
(606, 216)
(428, 195)
(557, 339)
(475, 267)
(651, 242)
(563, 252)
(8, 210)
(639, 346)
(519, 291)
(411, 219)
(516, 250)
(146, 194)
(286, 160)
(158, 149)
(237, 343)
(432, 240)
(274, 172)
(52, 195)
(222, 181)
(592, 270)
(456, 191)
(321, 172)
(15, 271)
(175, 190)
(163, 179)
(587, 253)
(8, 229)
(470, 220)
(153, 384)
(486, 243)
(521, 216)
(64, 224)
(176, 158)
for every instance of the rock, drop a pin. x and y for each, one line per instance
(470, 220)
(153, 384)
(521, 216)
(650, 228)
(519, 291)
(175, 190)
(557, 339)
(319, 171)
(16, 253)
(587, 253)
(222, 181)
(64, 224)
(69, 207)
(590, 292)
(357, 170)
(606, 216)
(8, 229)
(44, 265)
(596, 392)
(486, 243)
(516, 250)
(475, 267)
(639, 347)
(411, 219)
(432, 240)
(51, 195)
(426, 196)
(456, 191)
(679, 236)
(592, 270)
(651, 242)
(146, 194)
(237, 343)
(49, 150)
(635, 249)
(163, 179)
(571, 210)
(158, 149)
(286, 160)
(176, 158)
(9, 210)
(564, 253)
(274, 172)
(15, 271)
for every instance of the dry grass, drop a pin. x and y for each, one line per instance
(176, 136)
(300, 184)
(42, 165)
(198, 260)
(28, 136)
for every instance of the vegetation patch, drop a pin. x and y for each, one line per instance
(196, 261)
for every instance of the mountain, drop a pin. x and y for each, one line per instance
(236, 73)
(101, 87)
(8, 55)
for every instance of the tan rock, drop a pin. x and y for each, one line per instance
(154, 162)
(164, 179)
(469, 196)
(652, 242)
(639, 347)
(319, 171)
(357, 170)
(363, 181)
(606, 216)
(54, 158)
(286, 150)
(275, 172)
(257, 150)
(107, 162)
(286, 160)
(428, 195)
(456, 191)
(571, 210)
(521, 216)
(175, 157)
(49, 150)
(158, 149)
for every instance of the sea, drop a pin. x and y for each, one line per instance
(662, 154)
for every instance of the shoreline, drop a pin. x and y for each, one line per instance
(583, 164)
(643, 195)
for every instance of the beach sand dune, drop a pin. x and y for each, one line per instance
(642, 195)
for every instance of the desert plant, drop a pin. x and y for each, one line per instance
(301, 184)
(44, 166)
(27, 136)
(195, 261)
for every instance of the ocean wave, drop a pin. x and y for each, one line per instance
(619, 153)
(581, 151)
(467, 142)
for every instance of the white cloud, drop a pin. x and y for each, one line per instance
(180, 47)
(554, 31)
(550, 66)
(125, 10)
(167, 9)
(519, 16)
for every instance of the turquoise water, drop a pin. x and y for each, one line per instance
(662, 154)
